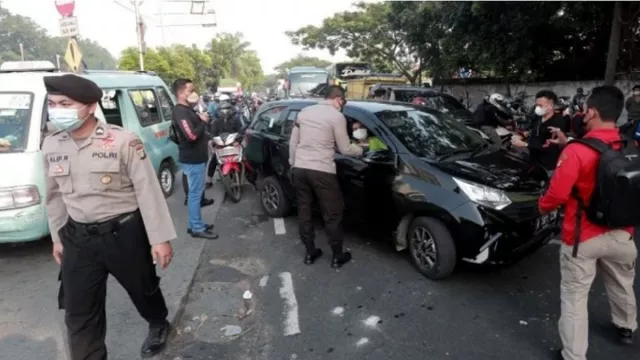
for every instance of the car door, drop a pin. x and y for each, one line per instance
(260, 135)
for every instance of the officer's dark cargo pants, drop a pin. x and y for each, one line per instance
(327, 190)
(121, 248)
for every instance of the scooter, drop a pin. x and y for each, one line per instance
(231, 164)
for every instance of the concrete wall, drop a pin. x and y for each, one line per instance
(474, 93)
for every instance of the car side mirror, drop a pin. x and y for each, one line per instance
(380, 157)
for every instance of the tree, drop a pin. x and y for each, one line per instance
(38, 45)
(231, 58)
(300, 60)
(365, 34)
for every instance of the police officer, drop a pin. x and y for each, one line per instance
(107, 215)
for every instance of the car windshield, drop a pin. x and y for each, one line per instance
(303, 83)
(15, 114)
(441, 102)
(430, 134)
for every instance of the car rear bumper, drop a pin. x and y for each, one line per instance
(21, 225)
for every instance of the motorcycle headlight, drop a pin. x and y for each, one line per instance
(484, 195)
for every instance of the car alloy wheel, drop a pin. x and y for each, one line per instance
(166, 180)
(423, 249)
(270, 197)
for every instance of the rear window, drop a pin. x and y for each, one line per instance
(15, 118)
(441, 102)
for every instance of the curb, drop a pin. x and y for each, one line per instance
(174, 319)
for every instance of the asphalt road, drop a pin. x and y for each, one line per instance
(31, 326)
(376, 308)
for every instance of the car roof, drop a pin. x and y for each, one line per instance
(25, 81)
(372, 106)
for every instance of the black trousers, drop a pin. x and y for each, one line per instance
(326, 189)
(121, 248)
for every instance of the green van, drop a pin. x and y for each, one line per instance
(138, 101)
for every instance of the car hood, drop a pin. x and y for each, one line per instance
(498, 169)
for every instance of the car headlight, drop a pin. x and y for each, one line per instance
(484, 195)
(18, 197)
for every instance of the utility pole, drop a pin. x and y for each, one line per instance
(139, 31)
(199, 8)
(22, 51)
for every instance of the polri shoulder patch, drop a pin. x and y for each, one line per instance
(135, 143)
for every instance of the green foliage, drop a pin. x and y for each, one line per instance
(225, 56)
(38, 45)
(300, 60)
(512, 40)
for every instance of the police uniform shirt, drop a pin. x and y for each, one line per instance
(102, 177)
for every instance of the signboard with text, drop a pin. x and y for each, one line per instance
(65, 7)
(69, 26)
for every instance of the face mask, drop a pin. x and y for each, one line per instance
(540, 111)
(360, 134)
(65, 119)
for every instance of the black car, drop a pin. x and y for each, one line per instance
(439, 188)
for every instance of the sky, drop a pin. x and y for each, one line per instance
(263, 23)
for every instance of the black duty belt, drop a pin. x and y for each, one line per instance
(100, 228)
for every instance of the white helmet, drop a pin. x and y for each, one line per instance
(224, 97)
(501, 105)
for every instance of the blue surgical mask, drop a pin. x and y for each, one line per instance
(65, 119)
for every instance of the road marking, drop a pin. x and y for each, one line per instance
(264, 280)
(555, 242)
(291, 321)
(278, 225)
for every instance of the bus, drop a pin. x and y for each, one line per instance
(303, 81)
(341, 72)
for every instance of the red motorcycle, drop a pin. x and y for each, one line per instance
(231, 164)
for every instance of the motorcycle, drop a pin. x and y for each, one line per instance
(231, 164)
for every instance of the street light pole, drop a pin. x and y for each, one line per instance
(140, 31)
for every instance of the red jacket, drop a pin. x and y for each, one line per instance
(576, 167)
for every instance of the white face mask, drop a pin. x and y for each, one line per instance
(66, 119)
(540, 111)
(360, 134)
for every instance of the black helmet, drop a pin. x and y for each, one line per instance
(502, 105)
(225, 109)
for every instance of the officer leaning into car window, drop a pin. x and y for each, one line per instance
(107, 215)
(318, 131)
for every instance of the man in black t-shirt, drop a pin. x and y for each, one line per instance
(192, 155)
(539, 152)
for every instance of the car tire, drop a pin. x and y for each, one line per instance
(440, 245)
(166, 178)
(273, 200)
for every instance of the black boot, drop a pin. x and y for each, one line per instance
(339, 257)
(625, 335)
(156, 340)
(312, 256)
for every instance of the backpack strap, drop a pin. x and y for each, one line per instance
(593, 143)
(578, 230)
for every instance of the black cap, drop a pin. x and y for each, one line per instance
(74, 87)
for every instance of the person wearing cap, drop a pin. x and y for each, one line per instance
(107, 216)
(320, 130)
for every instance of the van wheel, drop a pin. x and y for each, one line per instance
(432, 248)
(166, 177)
(272, 198)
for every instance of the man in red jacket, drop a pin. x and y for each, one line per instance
(612, 251)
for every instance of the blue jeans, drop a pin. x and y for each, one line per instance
(195, 177)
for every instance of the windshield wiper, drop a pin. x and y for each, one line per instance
(449, 154)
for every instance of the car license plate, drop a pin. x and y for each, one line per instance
(546, 220)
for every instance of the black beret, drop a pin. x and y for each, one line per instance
(74, 87)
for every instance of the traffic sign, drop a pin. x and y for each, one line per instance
(65, 7)
(69, 26)
(73, 56)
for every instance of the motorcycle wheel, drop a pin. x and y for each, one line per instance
(233, 186)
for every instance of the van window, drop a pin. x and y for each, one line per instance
(146, 106)
(111, 109)
(166, 104)
(15, 119)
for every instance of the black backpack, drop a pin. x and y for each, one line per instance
(616, 195)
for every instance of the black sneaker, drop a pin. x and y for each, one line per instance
(156, 340)
(206, 234)
(207, 227)
(311, 257)
(206, 202)
(625, 335)
(340, 259)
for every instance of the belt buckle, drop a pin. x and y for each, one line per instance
(92, 229)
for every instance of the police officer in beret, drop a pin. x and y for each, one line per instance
(107, 215)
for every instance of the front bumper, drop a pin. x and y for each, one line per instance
(490, 236)
(21, 225)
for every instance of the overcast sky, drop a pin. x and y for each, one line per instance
(262, 22)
